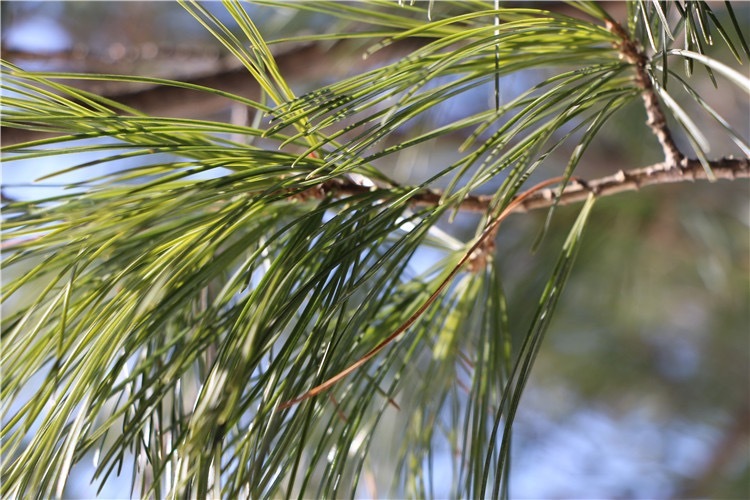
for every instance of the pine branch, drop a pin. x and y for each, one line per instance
(574, 192)
(253, 301)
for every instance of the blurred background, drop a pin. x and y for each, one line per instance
(642, 387)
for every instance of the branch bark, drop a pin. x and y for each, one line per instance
(577, 190)
(656, 119)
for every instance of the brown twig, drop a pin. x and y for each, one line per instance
(575, 192)
(633, 53)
